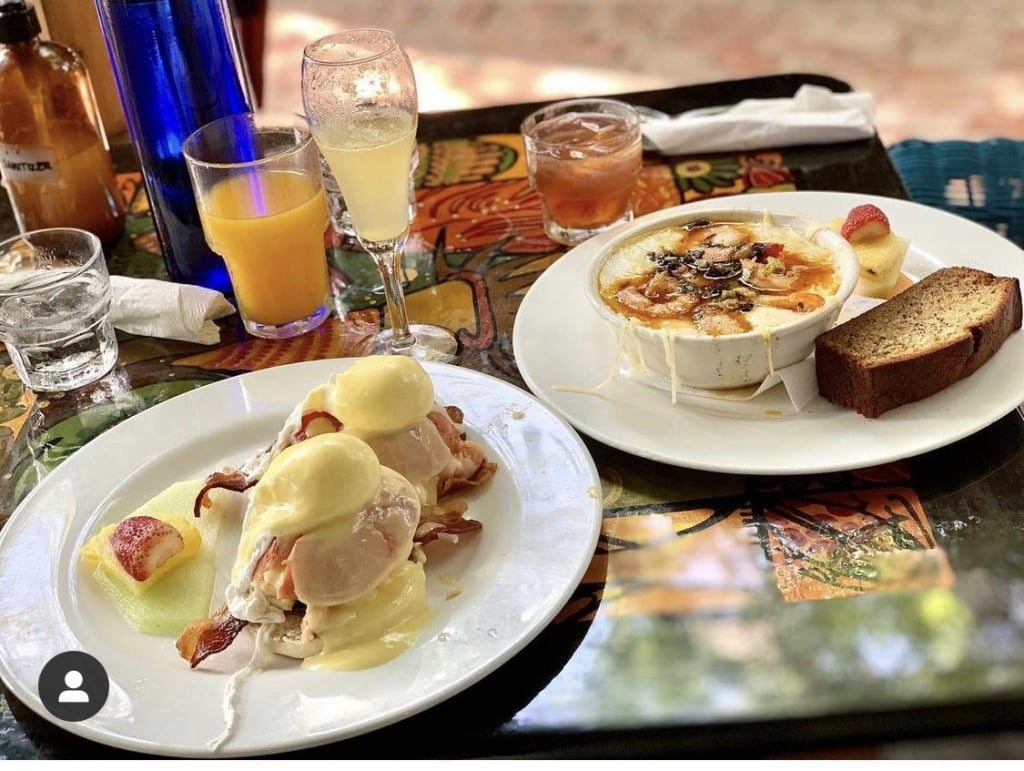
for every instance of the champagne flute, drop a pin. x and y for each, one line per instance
(359, 94)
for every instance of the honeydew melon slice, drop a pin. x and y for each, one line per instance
(180, 595)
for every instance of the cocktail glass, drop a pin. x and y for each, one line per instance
(359, 93)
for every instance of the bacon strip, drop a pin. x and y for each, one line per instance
(275, 556)
(473, 467)
(455, 414)
(308, 418)
(237, 481)
(229, 480)
(454, 484)
(447, 518)
(207, 636)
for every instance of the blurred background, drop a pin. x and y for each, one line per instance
(946, 69)
(939, 69)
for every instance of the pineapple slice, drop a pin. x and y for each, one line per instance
(880, 258)
(880, 261)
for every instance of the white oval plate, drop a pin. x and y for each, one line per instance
(541, 516)
(558, 340)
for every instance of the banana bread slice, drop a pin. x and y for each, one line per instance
(924, 339)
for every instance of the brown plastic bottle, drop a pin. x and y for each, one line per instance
(54, 155)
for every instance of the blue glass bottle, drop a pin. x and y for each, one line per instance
(178, 66)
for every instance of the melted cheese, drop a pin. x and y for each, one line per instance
(639, 362)
(668, 343)
(768, 352)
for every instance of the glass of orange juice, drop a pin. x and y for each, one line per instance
(260, 196)
(583, 157)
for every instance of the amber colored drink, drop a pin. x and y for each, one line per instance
(585, 167)
(79, 192)
(269, 228)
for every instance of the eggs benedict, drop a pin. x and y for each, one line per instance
(388, 402)
(325, 546)
(360, 477)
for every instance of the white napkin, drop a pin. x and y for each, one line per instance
(814, 115)
(167, 310)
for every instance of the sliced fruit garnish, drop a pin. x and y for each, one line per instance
(181, 588)
(143, 544)
(865, 222)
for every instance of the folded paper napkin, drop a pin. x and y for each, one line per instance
(814, 115)
(143, 306)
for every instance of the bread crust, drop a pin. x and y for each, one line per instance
(921, 341)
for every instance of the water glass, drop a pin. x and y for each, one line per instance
(583, 157)
(55, 301)
(258, 184)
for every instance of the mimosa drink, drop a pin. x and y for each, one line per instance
(269, 228)
(370, 158)
(359, 93)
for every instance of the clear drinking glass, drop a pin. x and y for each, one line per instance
(341, 220)
(55, 301)
(359, 93)
(261, 200)
(583, 157)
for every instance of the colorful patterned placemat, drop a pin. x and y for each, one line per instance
(476, 247)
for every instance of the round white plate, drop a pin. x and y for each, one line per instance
(541, 516)
(560, 341)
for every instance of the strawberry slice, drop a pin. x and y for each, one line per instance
(142, 544)
(865, 222)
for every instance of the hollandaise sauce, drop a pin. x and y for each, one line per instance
(348, 522)
(375, 628)
(385, 401)
(300, 492)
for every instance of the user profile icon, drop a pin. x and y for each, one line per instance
(73, 686)
(73, 693)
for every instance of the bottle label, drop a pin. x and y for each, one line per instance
(29, 163)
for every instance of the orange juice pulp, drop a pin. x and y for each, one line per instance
(586, 167)
(269, 228)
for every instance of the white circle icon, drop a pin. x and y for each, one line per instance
(73, 694)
